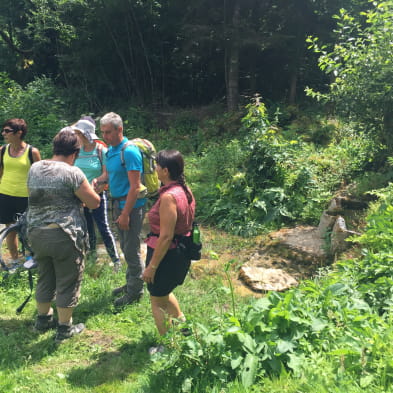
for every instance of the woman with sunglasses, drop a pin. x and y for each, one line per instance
(16, 159)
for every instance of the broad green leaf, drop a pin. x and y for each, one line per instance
(236, 362)
(317, 324)
(249, 370)
(284, 346)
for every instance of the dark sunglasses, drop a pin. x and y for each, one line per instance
(8, 130)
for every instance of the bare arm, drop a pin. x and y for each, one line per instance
(36, 154)
(134, 178)
(100, 182)
(87, 195)
(168, 218)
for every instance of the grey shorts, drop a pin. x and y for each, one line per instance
(60, 266)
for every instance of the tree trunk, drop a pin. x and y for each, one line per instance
(292, 88)
(233, 62)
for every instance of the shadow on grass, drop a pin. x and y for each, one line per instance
(19, 344)
(112, 366)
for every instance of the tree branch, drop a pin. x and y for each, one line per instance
(7, 39)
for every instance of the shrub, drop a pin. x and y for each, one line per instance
(265, 179)
(39, 104)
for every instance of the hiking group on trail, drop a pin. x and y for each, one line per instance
(66, 194)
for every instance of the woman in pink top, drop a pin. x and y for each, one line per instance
(170, 218)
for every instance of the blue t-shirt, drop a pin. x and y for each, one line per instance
(89, 162)
(118, 174)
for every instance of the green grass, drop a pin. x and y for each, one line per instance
(339, 343)
(111, 354)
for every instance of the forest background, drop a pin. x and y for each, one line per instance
(277, 105)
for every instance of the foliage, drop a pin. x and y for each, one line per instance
(39, 104)
(161, 53)
(361, 67)
(271, 177)
(336, 327)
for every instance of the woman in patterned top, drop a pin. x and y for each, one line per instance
(57, 232)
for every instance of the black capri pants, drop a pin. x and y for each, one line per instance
(170, 273)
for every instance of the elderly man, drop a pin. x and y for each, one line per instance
(125, 185)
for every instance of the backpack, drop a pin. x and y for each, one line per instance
(4, 148)
(149, 175)
(99, 145)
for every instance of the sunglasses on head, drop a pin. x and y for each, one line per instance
(8, 130)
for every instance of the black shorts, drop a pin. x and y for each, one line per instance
(10, 206)
(170, 273)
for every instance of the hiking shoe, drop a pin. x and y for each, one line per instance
(116, 266)
(126, 299)
(119, 290)
(44, 322)
(157, 349)
(67, 331)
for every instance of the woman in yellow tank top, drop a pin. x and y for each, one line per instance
(14, 167)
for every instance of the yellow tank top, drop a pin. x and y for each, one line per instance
(15, 171)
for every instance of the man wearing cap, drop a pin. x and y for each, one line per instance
(125, 185)
(92, 162)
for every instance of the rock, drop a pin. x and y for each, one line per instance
(261, 279)
(335, 206)
(339, 235)
(303, 244)
(326, 223)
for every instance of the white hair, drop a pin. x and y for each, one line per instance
(113, 119)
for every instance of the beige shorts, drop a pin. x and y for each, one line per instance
(60, 267)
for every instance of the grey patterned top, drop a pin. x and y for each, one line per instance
(52, 199)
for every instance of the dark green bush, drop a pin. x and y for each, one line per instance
(265, 179)
(39, 104)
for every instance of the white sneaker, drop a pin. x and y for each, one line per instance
(30, 263)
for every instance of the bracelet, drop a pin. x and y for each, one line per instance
(153, 267)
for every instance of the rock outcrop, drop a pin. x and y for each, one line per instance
(293, 254)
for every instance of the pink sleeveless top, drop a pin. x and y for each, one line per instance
(185, 213)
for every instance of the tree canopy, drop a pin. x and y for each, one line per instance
(361, 65)
(159, 52)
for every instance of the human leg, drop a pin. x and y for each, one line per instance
(45, 290)
(100, 216)
(12, 244)
(164, 308)
(69, 273)
(60, 267)
(10, 207)
(65, 315)
(90, 229)
(130, 244)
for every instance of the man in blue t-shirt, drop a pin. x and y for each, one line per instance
(125, 185)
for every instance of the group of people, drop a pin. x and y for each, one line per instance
(64, 195)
